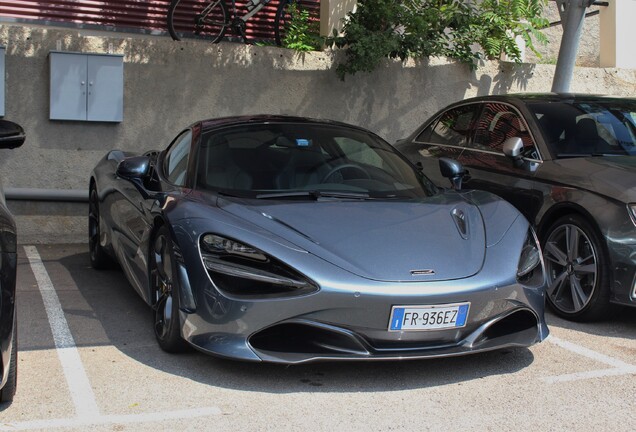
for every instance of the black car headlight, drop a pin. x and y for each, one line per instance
(241, 269)
(530, 267)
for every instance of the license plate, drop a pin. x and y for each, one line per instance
(419, 318)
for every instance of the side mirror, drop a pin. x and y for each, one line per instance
(452, 170)
(135, 167)
(512, 147)
(11, 134)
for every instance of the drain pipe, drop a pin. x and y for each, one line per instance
(55, 195)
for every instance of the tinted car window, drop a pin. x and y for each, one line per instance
(258, 159)
(176, 162)
(575, 128)
(452, 128)
(359, 152)
(497, 123)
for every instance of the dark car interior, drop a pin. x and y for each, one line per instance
(285, 158)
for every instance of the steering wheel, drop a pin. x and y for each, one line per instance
(343, 167)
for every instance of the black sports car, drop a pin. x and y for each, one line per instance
(568, 162)
(285, 239)
(11, 136)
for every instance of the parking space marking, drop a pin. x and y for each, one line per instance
(86, 409)
(111, 419)
(619, 367)
(76, 378)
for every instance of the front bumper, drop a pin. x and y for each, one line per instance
(349, 323)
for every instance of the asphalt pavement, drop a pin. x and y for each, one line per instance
(88, 360)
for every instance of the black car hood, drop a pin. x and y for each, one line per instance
(612, 176)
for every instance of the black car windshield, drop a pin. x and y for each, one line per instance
(588, 128)
(305, 161)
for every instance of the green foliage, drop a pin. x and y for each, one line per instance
(302, 32)
(500, 21)
(401, 29)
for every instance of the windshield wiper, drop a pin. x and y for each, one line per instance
(315, 194)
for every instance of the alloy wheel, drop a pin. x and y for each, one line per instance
(163, 283)
(572, 265)
(93, 224)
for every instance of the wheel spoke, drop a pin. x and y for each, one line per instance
(161, 275)
(556, 287)
(579, 299)
(554, 254)
(572, 238)
(160, 253)
(588, 268)
(167, 311)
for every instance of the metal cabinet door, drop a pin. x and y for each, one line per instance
(68, 86)
(105, 88)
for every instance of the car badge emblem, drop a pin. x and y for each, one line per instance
(426, 272)
(460, 221)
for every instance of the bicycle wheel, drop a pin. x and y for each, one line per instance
(207, 19)
(282, 20)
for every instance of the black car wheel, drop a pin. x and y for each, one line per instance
(165, 284)
(8, 391)
(576, 263)
(99, 257)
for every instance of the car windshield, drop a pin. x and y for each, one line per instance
(305, 161)
(588, 128)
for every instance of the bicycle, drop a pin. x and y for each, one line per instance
(209, 18)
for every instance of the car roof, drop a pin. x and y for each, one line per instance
(549, 97)
(269, 118)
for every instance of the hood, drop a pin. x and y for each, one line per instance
(612, 176)
(440, 238)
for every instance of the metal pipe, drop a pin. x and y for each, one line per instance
(572, 18)
(57, 195)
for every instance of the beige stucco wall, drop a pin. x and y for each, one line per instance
(170, 84)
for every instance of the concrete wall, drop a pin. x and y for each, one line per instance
(589, 44)
(169, 85)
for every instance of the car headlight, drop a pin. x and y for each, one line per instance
(530, 267)
(241, 269)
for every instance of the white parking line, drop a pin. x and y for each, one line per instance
(86, 409)
(76, 378)
(619, 367)
(111, 419)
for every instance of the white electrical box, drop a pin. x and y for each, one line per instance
(86, 87)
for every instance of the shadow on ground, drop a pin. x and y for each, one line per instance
(113, 314)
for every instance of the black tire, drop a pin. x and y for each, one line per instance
(98, 255)
(8, 391)
(282, 20)
(578, 271)
(165, 286)
(208, 19)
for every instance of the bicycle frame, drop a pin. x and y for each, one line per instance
(250, 13)
(217, 16)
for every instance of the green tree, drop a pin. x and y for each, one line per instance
(302, 32)
(401, 29)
